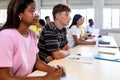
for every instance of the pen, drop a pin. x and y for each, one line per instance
(74, 58)
(79, 54)
(108, 46)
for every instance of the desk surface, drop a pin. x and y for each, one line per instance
(98, 70)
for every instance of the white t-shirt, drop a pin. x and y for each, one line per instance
(74, 30)
(89, 29)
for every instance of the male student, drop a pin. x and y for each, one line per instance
(38, 27)
(90, 27)
(52, 43)
(47, 19)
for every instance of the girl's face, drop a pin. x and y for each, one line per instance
(30, 15)
(80, 21)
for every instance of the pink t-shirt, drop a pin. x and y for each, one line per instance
(18, 52)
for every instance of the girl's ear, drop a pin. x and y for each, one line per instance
(20, 16)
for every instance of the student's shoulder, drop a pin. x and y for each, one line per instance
(50, 26)
(31, 33)
(73, 27)
(8, 32)
(32, 27)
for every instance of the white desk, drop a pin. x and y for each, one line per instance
(98, 70)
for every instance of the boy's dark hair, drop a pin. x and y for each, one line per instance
(47, 17)
(42, 22)
(14, 8)
(90, 20)
(60, 8)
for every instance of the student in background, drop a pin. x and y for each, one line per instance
(82, 34)
(52, 43)
(18, 50)
(47, 19)
(74, 32)
(38, 27)
(90, 27)
(41, 24)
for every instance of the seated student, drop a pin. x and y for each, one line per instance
(52, 43)
(74, 33)
(18, 50)
(83, 35)
(47, 19)
(90, 27)
(38, 27)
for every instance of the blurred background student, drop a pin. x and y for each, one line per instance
(37, 28)
(89, 27)
(47, 19)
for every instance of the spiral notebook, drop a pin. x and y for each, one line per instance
(106, 57)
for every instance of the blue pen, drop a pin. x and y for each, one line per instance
(74, 58)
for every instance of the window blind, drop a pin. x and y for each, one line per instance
(111, 2)
(4, 4)
(50, 3)
(80, 2)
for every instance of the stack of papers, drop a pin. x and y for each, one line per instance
(103, 42)
(106, 44)
(82, 59)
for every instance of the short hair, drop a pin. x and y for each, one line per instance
(60, 8)
(90, 20)
(42, 22)
(47, 17)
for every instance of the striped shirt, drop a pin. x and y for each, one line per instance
(51, 39)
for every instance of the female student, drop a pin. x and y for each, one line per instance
(18, 45)
(74, 32)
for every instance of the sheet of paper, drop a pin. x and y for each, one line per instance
(70, 77)
(95, 32)
(82, 59)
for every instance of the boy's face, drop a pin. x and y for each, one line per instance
(47, 20)
(91, 22)
(63, 18)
